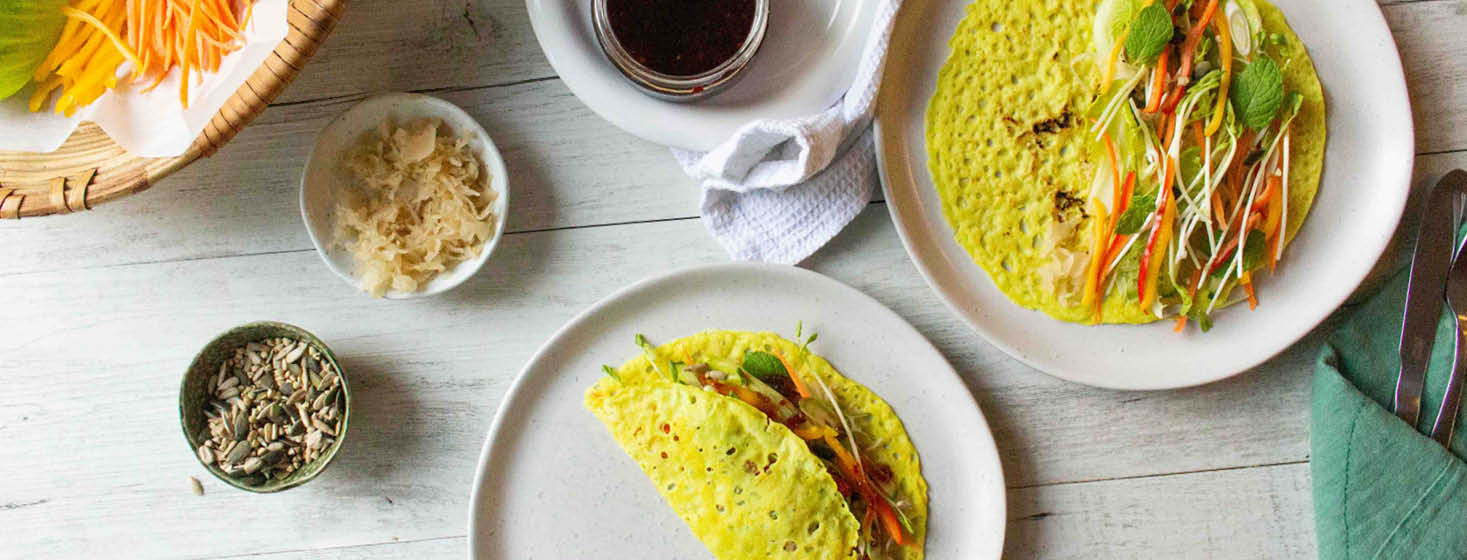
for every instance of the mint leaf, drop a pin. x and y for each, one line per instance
(1134, 218)
(1254, 249)
(1150, 32)
(763, 364)
(1257, 93)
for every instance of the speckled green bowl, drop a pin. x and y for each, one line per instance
(193, 398)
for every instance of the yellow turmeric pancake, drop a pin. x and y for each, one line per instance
(1007, 141)
(748, 487)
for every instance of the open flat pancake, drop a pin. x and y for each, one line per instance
(1008, 149)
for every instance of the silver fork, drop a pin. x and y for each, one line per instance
(1446, 418)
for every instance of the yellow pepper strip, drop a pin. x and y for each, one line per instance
(111, 35)
(1097, 254)
(1163, 241)
(1110, 64)
(1225, 46)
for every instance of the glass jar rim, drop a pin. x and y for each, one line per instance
(678, 86)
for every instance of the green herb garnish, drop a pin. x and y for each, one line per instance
(651, 353)
(1254, 249)
(1150, 32)
(1134, 218)
(763, 365)
(611, 372)
(1257, 93)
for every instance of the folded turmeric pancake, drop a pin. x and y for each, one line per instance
(1128, 160)
(765, 451)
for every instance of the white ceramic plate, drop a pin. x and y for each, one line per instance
(324, 177)
(553, 484)
(1367, 176)
(808, 59)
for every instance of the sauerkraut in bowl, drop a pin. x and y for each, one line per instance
(404, 195)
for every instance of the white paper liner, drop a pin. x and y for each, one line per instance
(152, 124)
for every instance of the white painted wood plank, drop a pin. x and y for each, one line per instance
(1434, 52)
(392, 45)
(118, 301)
(566, 168)
(444, 547)
(93, 363)
(1248, 513)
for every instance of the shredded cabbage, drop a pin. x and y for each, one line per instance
(418, 204)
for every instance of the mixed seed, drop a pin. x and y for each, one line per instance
(276, 404)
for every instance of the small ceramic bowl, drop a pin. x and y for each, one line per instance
(193, 398)
(325, 178)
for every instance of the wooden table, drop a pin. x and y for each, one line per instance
(106, 309)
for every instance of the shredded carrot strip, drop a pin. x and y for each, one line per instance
(1159, 82)
(1247, 281)
(787, 367)
(155, 36)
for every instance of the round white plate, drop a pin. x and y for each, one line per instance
(808, 59)
(1366, 179)
(324, 177)
(553, 484)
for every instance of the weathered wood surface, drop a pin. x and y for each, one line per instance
(118, 300)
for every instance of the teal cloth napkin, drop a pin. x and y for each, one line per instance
(1381, 488)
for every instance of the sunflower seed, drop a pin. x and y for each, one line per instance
(296, 353)
(241, 427)
(239, 452)
(252, 465)
(321, 400)
(276, 403)
(197, 487)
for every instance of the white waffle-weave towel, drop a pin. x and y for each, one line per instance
(781, 188)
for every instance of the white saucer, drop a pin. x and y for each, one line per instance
(552, 483)
(808, 60)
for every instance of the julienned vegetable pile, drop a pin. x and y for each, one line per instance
(75, 51)
(1193, 122)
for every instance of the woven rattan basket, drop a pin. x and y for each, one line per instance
(89, 168)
